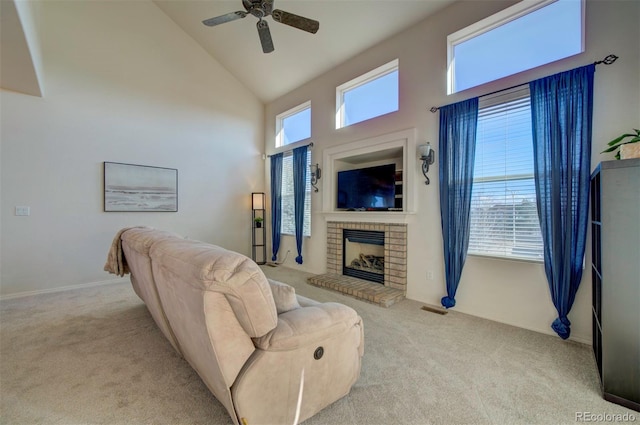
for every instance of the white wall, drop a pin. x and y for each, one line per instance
(122, 83)
(506, 291)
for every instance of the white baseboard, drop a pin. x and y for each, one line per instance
(547, 331)
(576, 338)
(62, 288)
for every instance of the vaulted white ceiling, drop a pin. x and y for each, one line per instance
(347, 27)
(20, 52)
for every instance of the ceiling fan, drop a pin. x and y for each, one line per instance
(261, 9)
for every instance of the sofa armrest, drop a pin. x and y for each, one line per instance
(308, 325)
(288, 379)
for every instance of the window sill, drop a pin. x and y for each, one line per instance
(499, 258)
(293, 236)
(291, 146)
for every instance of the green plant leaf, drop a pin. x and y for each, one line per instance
(634, 140)
(613, 148)
(618, 139)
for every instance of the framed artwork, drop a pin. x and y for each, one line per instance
(130, 187)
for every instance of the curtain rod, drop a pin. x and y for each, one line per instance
(310, 145)
(607, 61)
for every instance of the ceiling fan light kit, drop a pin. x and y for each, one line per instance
(261, 9)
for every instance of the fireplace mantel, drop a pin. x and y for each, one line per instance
(390, 217)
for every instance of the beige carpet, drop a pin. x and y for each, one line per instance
(94, 356)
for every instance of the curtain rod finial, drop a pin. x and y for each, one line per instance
(434, 109)
(608, 60)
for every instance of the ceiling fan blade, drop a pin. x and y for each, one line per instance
(265, 36)
(300, 22)
(224, 18)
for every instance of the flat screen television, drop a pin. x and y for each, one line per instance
(372, 188)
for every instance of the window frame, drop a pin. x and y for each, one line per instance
(289, 156)
(363, 79)
(279, 140)
(496, 20)
(501, 98)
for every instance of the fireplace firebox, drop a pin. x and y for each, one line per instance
(363, 256)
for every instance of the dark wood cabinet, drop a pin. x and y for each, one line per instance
(615, 275)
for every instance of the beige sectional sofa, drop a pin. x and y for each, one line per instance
(268, 355)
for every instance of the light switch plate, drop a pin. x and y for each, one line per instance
(23, 211)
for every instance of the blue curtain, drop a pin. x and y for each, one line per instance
(299, 191)
(458, 124)
(561, 111)
(276, 203)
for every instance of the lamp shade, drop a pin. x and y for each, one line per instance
(257, 201)
(423, 150)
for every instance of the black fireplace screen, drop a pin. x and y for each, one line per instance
(366, 258)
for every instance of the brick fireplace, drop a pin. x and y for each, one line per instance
(394, 286)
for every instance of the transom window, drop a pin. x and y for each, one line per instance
(504, 216)
(293, 125)
(288, 214)
(524, 36)
(368, 96)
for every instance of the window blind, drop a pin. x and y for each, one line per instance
(288, 215)
(504, 217)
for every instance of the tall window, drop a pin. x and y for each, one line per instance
(521, 37)
(288, 217)
(368, 96)
(504, 216)
(293, 125)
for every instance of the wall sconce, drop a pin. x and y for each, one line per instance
(316, 173)
(427, 156)
(257, 201)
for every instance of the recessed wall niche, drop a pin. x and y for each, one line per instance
(397, 148)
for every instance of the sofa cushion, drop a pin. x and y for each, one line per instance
(308, 325)
(211, 268)
(284, 296)
(306, 302)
